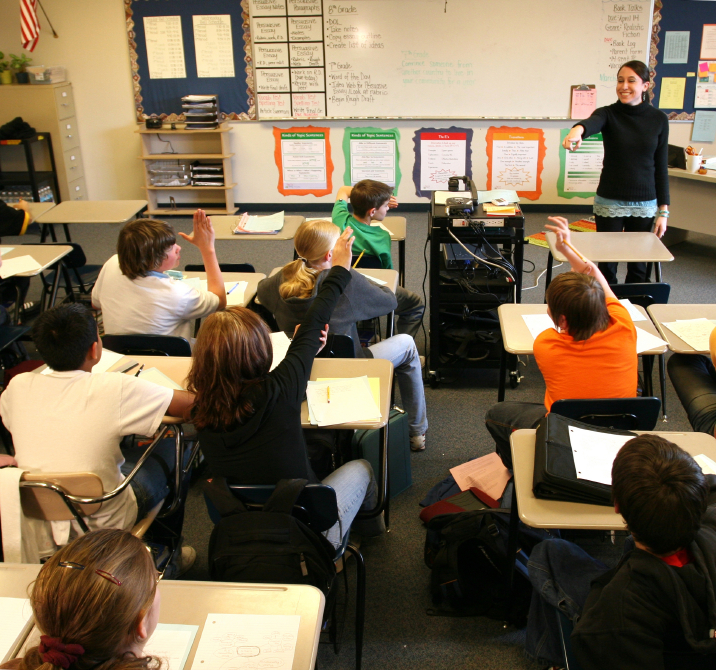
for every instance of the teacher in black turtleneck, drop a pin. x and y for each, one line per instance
(633, 189)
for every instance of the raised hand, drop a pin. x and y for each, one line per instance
(343, 250)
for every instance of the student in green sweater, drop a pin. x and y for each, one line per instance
(371, 201)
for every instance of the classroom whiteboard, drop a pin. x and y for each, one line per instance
(439, 58)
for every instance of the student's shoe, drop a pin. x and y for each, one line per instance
(417, 442)
(182, 564)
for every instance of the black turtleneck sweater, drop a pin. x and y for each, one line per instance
(636, 145)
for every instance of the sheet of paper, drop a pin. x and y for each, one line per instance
(442, 155)
(242, 641)
(672, 92)
(172, 643)
(5, 250)
(18, 265)
(351, 400)
(708, 466)
(374, 383)
(235, 291)
(676, 46)
(487, 474)
(594, 453)
(537, 323)
(213, 45)
(695, 332)
(15, 614)
(156, 377)
(708, 42)
(280, 344)
(194, 282)
(375, 280)
(496, 194)
(634, 313)
(705, 96)
(646, 341)
(263, 224)
(165, 47)
(107, 360)
(704, 129)
(515, 160)
(583, 103)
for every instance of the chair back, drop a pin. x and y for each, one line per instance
(75, 259)
(367, 261)
(338, 346)
(647, 294)
(224, 267)
(147, 345)
(316, 505)
(48, 504)
(616, 413)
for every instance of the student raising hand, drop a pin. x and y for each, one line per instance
(343, 249)
(202, 236)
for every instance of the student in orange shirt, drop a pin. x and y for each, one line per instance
(592, 354)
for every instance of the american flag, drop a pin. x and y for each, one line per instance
(29, 24)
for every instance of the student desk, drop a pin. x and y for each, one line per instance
(213, 597)
(517, 339)
(668, 313)
(397, 227)
(253, 279)
(613, 248)
(39, 208)
(223, 225)
(88, 211)
(693, 196)
(46, 255)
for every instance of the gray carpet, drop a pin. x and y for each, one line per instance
(399, 634)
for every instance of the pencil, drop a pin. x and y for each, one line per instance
(328, 394)
(358, 259)
(575, 251)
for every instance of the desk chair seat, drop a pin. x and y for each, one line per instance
(78, 278)
(224, 267)
(619, 413)
(147, 345)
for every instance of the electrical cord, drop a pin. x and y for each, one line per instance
(159, 137)
(539, 276)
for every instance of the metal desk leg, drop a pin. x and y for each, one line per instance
(390, 325)
(48, 228)
(548, 276)
(662, 382)
(56, 284)
(503, 372)
(401, 263)
(648, 367)
(657, 271)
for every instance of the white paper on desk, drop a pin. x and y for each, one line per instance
(496, 194)
(280, 344)
(708, 466)
(442, 196)
(646, 341)
(5, 250)
(695, 332)
(16, 617)
(243, 641)
(171, 642)
(18, 265)
(156, 377)
(594, 453)
(378, 224)
(634, 313)
(351, 401)
(538, 323)
(487, 473)
(107, 360)
(375, 280)
(264, 224)
(194, 282)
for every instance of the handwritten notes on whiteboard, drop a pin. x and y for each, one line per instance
(165, 47)
(214, 45)
(515, 159)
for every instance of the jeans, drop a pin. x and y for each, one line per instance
(355, 489)
(401, 351)
(636, 272)
(504, 418)
(410, 311)
(694, 379)
(561, 574)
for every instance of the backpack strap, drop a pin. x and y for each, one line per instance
(285, 495)
(218, 491)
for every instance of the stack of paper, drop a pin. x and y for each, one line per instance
(234, 289)
(375, 280)
(378, 224)
(16, 617)
(280, 344)
(18, 265)
(336, 401)
(494, 210)
(496, 194)
(171, 642)
(252, 225)
(695, 332)
(156, 377)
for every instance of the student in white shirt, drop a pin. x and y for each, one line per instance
(137, 297)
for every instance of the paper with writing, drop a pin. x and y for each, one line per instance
(16, 617)
(156, 377)
(262, 224)
(537, 323)
(594, 453)
(351, 401)
(708, 466)
(487, 474)
(695, 332)
(171, 643)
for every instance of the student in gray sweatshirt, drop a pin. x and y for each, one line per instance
(289, 293)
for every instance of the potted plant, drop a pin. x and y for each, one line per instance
(19, 63)
(5, 74)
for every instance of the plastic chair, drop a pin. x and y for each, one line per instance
(147, 345)
(317, 508)
(224, 267)
(338, 346)
(619, 413)
(77, 278)
(645, 295)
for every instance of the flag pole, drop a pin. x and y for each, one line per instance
(54, 34)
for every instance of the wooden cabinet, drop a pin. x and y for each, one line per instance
(50, 108)
(186, 146)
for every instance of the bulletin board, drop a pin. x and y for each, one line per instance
(679, 15)
(162, 96)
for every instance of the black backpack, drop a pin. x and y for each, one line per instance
(270, 545)
(467, 555)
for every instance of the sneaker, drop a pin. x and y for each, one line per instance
(181, 564)
(417, 442)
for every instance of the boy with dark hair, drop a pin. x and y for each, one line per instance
(592, 354)
(660, 597)
(137, 297)
(70, 420)
(371, 201)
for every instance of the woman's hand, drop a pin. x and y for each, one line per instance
(343, 250)
(574, 139)
(660, 226)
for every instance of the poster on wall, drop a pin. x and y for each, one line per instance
(515, 158)
(165, 47)
(705, 95)
(579, 170)
(371, 153)
(440, 153)
(303, 159)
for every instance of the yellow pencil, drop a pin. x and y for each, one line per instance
(575, 251)
(358, 259)
(328, 394)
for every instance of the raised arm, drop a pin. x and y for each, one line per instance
(344, 193)
(202, 237)
(578, 263)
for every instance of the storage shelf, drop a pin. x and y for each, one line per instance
(173, 157)
(23, 178)
(189, 211)
(169, 131)
(226, 187)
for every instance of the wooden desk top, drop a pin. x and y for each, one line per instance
(389, 276)
(558, 514)
(223, 226)
(45, 254)
(674, 312)
(616, 247)
(253, 279)
(517, 338)
(93, 211)
(397, 225)
(709, 177)
(39, 208)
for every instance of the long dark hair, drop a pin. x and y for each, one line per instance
(641, 70)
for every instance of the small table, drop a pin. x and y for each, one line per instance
(613, 248)
(88, 211)
(253, 279)
(671, 312)
(693, 196)
(397, 227)
(223, 225)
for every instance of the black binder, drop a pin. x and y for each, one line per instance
(555, 477)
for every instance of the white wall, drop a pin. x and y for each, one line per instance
(92, 45)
